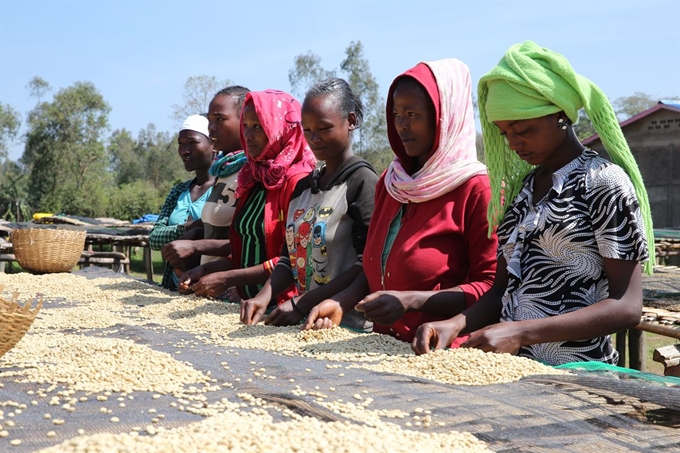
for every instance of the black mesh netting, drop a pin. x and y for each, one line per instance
(582, 412)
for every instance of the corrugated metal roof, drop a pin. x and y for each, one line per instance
(672, 102)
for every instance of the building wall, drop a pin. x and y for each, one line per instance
(655, 143)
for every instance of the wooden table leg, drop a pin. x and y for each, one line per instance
(636, 349)
(621, 346)
(148, 262)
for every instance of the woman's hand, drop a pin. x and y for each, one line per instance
(284, 315)
(191, 224)
(386, 307)
(214, 284)
(324, 316)
(178, 252)
(435, 335)
(252, 310)
(501, 337)
(188, 279)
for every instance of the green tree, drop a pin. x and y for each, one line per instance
(584, 127)
(372, 143)
(307, 71)
(10, 122)
(197, 94)
(126, 163)
(65, 152)
(131, 201)
(629, 106)
(38, 87)
(13, 192)
(163, 166)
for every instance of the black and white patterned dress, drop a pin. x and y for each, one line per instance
(554, 250)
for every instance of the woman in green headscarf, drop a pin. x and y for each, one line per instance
(572, 226)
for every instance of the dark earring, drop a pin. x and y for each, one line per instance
(563, 123)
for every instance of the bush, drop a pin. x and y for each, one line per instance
(131, 201)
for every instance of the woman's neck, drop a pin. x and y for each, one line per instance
(570, 149)
(203, 177)
(332, 166)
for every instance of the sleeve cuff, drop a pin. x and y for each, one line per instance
(269, 265)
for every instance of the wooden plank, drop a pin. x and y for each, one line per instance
(659, 329)
(669, 356)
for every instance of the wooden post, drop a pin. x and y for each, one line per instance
(148, 262)
(636, 349)
(621, 347)
(118, 267)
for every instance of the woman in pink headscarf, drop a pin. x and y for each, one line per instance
(428, 255)
(278, 157)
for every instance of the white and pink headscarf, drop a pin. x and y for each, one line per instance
(453, 159)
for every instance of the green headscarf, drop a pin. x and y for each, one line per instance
(532, 82)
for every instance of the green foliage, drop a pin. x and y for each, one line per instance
(13, 192)
(372, 142)
(10, 121)
(151, 157)
(306, 72)
(126, 164)
(131, 201)
(628, 106)
(158, 151)
(65, 153)
(584, 127)
(197, 94)
(38, 87)
(72, 168)
(479, 144)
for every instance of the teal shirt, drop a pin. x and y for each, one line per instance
(185, 210)
(392, 234)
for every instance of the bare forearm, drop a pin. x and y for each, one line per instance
(312, 298)
(213, 247)
(486, 311)
(352, 295)
(194, 234)
(597, 320)
(255, 275)
(448, 302)
(280, 279)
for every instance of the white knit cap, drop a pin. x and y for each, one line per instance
(198, 123)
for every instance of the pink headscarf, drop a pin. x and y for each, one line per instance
(453, 159)
(286, 153)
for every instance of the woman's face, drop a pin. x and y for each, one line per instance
(414, 119)
(195, 149)
(255, 137)
(536, 140)
(223, 123)
(326, 129)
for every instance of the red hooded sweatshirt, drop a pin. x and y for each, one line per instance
(442, 243)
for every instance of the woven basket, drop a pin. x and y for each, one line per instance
(15, 321)
(47, 250)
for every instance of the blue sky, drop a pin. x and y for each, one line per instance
(139, 53)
